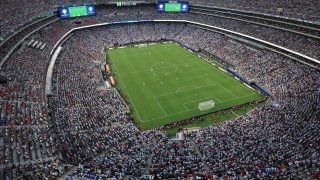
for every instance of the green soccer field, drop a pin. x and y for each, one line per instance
(165, 83)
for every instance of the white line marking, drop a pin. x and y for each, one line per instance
(199, 87)
(237, 97)
(185, 107)
(165, 116)
(193, 87)
(148, 69)
(134, 72)
(232, 78)
(125, 88)
(227, 90)
(160, 106)
(196, 108)
(202, 100)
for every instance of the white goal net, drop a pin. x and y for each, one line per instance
(206, 105)
(142, 45)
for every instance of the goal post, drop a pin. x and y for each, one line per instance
(142, 45)
(206, 105)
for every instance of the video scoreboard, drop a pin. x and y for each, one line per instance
(172, 7)
(77, 11)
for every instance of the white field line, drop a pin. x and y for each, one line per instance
(230, 78)
(227, 90)
(196, 108)
(237, 97)
(218, 100)
(199, 87)
(185, 107)
(160, 106)
(202, 100)
(178, 90)
(165, 116)
(148, 69)
(134, 72)
(125, 88)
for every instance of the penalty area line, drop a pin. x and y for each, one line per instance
(125, 88)
(160, 105)
(196, 108)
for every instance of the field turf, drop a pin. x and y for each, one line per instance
(164, 83)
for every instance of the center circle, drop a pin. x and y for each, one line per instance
(164, 67)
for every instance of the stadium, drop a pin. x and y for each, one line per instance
(149, 89)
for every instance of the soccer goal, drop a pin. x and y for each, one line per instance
(206, 105)
(142, 45)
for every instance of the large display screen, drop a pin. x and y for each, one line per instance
(77, 11)
(173, 7)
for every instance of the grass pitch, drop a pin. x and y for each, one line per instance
(164, 83)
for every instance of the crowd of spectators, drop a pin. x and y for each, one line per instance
(306, 10)
(85, 123)
(300, 43)
(26, 141)
(14, 15)
(290, 40)
(269, 143)
(243, 147)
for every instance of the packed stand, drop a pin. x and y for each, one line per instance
(306, 10)
(232, 149)
(92, 126)
(26, 142)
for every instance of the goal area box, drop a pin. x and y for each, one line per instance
(206, 105)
